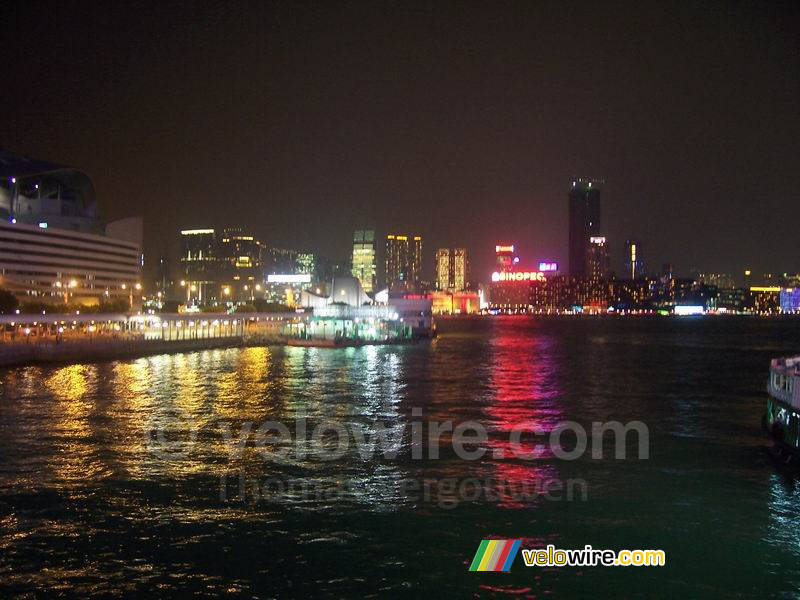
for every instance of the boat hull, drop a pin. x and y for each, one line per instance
(781, 421)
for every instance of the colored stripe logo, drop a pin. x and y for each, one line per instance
(495, 555)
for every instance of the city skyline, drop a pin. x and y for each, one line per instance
(386, 119)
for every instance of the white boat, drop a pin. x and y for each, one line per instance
(782, 418)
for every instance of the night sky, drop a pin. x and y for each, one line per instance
(464, 122)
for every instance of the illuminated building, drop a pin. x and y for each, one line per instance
(287, 288)
(634, 264)
(442, 269)
(281, 260)
(511, 291)
(364, 265)
(452, 269)
(731, 299)
(584, 222)
(403, 262)
(718, 280)
(347, 316)
(765, 299)
(240, 264)
(631, 294)
(455, 303)
(460, 269)
(199, 266)
(306, 263)
(505, 256)
(790, 300)
(53, 247)
(551, 294)
(596, 265)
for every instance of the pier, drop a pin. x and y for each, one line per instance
(46, 338)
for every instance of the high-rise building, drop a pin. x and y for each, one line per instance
(460, 270)
(241, 264)
(364, 267)
(596, 271)
(634, 264)
(306, 263)
(596, 259)
(584, 222)
(163, 275)
(452, 269)
(442, 269)
(403, 261)
(281, 261)
(505, 257)
(199, 265)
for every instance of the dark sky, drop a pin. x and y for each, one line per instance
(462, 121)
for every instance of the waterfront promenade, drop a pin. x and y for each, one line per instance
(74, 337)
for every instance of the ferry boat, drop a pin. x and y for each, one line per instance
(782, 418)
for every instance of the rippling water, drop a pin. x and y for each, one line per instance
(88, 508)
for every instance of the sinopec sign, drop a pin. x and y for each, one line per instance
(518, 276)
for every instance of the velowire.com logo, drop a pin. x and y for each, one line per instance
(495, 555)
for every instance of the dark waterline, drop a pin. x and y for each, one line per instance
(87, 509)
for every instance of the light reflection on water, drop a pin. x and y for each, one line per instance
(85, 506)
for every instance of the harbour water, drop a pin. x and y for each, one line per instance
(91, 505)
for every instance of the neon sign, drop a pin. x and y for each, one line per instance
(548, 267)
(518, 276)
(504, 249)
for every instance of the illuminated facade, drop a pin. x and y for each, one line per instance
(634, 264)
(455, 303)
(306, 264)
(53, 247)
(199, 266)
(790, 300)
(505, 256)
(718, 280)
(595, 291)
(584, 222)
(403, 262)
(442, 269)
(597, 259)
(240, 261)
(452, 269)
(765, 299)
(364, 265)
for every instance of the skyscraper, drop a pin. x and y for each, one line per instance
(442, 269)
(403, 261)
(634, 265)
(596, 260)
(306, 263)
(199, 264)
(452, 269)
(363, 265)
(460, 270)
(584, 222)
(240, 259)
(596, 271)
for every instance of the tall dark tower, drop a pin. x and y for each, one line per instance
(584, 222)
